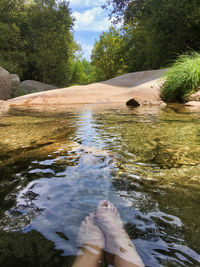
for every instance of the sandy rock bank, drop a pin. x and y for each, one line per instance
(143, 86)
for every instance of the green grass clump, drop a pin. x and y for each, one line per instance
(182, 79)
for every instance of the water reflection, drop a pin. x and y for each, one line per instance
(147, 163)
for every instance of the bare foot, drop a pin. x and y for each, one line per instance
(117, 241)
(90, 236)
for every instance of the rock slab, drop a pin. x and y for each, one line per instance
(143, 86)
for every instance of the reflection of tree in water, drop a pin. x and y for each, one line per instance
(30, 249)
(25, 171)
(27, 137)
(21, 164)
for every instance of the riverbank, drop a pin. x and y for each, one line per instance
(143, 86)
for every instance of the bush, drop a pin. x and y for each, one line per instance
(182, 79)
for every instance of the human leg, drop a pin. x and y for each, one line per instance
(118, 246)
(91, 244)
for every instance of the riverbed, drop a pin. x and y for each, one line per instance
(56, 165)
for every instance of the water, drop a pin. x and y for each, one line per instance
(55, 166)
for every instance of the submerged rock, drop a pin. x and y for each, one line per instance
(29, 86)
(132, 102)
(154, 103)
(5, 84)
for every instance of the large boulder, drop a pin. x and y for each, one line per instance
(29, 86)
(144, 87)
(5, 84)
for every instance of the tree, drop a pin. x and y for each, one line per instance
(49, 41)
(107, 55)
(11, 44)
(158, 30)
(82, 72)
(36, 39)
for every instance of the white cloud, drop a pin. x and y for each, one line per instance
(91, 20)
(86, 3)
(94, 19)
(86, 50)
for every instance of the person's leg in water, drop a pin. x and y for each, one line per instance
(91, 244)
(107, 235)
(117, 242)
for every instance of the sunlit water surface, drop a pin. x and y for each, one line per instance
(56, 166)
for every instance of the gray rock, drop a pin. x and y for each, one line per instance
(132, 102)
(5, 84)
(15, 81)
(29, 86)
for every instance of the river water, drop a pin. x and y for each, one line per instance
(55, 166)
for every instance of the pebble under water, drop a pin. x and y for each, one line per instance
(55, 166)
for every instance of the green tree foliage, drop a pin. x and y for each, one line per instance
(39, 43)
(11, 44)
(157, 30)
(107, 55)
(82, 72)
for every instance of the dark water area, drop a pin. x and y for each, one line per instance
(55, 166)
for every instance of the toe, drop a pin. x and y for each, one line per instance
(87, 219)
(113, 208)
(103, 203)
(92, 216)
(110, 205)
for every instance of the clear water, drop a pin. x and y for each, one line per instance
(55, 166)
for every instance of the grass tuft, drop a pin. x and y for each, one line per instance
(182, 79)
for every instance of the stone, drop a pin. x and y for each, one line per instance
(159, 103)
(5, 84)
(4, 106)
(193, 103)
(15, 81)
(132, 102)
(194, 97)
(30, 86)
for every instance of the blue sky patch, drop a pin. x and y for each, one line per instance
(91, 21)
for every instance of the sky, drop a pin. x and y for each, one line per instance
(91, 20)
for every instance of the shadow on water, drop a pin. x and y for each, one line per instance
(55, 167)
